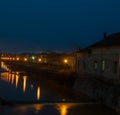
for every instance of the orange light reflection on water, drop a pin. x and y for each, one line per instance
(63, 108)
(12, 79)
(38, 93)
(24, 83)
(17, 80)
(37, 107)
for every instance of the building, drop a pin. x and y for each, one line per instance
(101, 58)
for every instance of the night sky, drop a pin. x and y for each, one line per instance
(58, 25)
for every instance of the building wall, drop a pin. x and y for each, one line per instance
(100, 62)
(80, 59)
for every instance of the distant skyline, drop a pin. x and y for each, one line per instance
(55, 25)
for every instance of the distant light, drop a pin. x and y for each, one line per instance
(39, 59)
(17, 59)
(17, 73)
(25, 59)
(33, 57)
(65, 61)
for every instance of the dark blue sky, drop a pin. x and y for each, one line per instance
(35, 25)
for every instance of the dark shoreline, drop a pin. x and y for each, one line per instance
(66, 78)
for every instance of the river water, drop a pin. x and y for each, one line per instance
(31, 97)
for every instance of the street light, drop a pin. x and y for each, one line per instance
(25, 59)
(65, 61)
(17, 58)
(33, 57)
(39, 60)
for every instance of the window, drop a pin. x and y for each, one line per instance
(103, 65)
(95, 65)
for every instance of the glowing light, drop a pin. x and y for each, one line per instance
(24, 83)
(12, 79)
(38, 93)
(17, 73)
(17, 79)
(63, 108)
(17, 59)
(33, 57)
(13, 58)
(5, 58)
(25, 59)
(65, 61)
(9, 78)
(39, 59)
(37, 107)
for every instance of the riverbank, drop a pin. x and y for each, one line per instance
(61, 75)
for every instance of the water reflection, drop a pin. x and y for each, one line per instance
(17, 80)
(3, 66)
(63, 108)
(37, 107)
(5, 76)
(12, 79)
(24, 83)
(38, 93)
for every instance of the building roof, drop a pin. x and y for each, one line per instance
(84, 51)
(108, 41)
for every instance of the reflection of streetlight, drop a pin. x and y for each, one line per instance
(37, 107)
(63, 108)
(24, 83)
(38, 93)
(17, 79)
(65, 61)
(13, 78)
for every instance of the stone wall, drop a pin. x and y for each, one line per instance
(102, 91)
